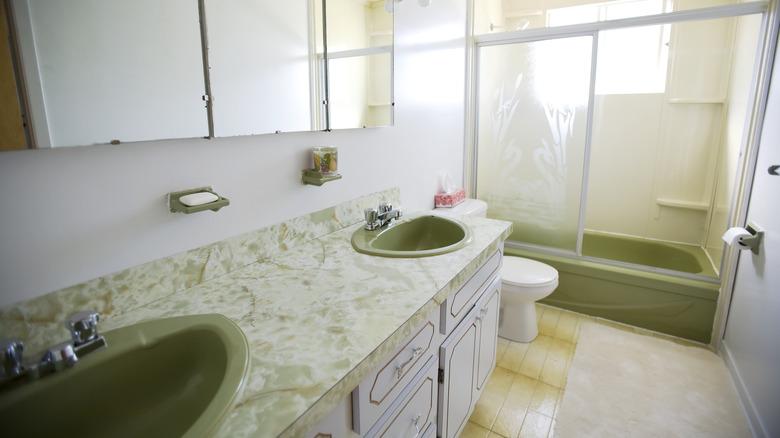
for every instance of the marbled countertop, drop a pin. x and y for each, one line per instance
(318, 318)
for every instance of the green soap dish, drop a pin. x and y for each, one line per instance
(315, 178)
(177, 207)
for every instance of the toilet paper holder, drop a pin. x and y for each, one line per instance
(754, 240)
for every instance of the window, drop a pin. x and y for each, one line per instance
(630, 61)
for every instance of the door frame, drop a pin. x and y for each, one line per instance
(766, 56)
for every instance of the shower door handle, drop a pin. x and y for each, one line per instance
(773, 170)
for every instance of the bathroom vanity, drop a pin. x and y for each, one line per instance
(430, 384)
(340, 343)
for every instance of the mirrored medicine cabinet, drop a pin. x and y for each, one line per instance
(85, 72)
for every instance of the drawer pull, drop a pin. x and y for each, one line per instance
(482, 313)
(416, 423)
(400, 370)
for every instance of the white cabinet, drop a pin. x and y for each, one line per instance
(338, 424)
(415, 410)
(457, 305)
(457, 364)
(374, 395)
(487, 323)
(428, 388)
(466, 359)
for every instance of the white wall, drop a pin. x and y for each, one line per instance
(70, 215)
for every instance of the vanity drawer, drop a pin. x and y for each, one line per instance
(381, 388)
(458, 304)
(415, 411)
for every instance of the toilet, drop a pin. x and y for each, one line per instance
(523, 283)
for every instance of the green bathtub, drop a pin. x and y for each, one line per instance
(661, 302)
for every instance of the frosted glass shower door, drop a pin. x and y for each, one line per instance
(532, 118)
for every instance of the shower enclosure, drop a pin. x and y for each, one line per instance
(611, 135)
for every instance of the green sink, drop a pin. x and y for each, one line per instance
(167, 377)
(420, 236)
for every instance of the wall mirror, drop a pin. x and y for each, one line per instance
(360, 63)
(84, 72)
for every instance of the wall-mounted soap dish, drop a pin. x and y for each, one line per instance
(313, 177)
(213, 200)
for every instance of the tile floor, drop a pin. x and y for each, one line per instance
(523, 394)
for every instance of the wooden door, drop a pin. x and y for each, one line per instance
(12, 135)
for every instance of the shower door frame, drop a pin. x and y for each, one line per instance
(755, 109)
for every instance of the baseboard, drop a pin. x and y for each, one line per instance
(754, 421)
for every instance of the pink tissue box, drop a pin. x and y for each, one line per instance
(449, 199)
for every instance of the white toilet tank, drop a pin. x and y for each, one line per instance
(469, 207)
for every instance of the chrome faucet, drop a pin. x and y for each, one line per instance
(84, 340)
(381, 216)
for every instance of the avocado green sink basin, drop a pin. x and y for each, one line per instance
(421, 236)
(168, 377)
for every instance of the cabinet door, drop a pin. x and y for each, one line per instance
(457, 361)
(487, 324)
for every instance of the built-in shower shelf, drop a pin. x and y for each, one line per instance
(697, 100)
(678, 203)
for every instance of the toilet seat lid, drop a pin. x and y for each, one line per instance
(518, 271)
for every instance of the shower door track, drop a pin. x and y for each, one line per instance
(572, 30)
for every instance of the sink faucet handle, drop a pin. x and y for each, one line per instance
(384, 207)
(83, 326)
(371, 215)
(11, 358)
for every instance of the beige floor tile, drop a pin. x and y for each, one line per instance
(501, 348)
(549, 321)
(509, 421)
(539, 312)
(551, 433)
(534, 358)
(519, 396)
(535, 426)
(474, 431)
(561, 351)
(500, 381)
(487, 408)
(554, 371)
(567, 327)
(543, 341)
(582, 319)
(495, 435)
(513, 357)
(544, 399)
